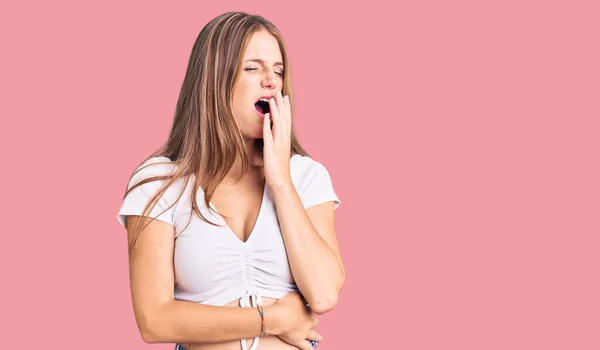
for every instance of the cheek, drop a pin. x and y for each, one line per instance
(242, 103)
(241, 106)
(243, 95)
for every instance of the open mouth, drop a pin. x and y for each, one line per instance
(262, 107)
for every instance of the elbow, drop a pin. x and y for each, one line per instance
(324, 301)
(323, 305)
(149, 336)
(150, 331)
(153, 325)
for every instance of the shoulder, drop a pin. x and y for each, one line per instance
(301, 165)
(151, 167)
(154, 172)
(158, 164)
(144, 187)
(312, 181)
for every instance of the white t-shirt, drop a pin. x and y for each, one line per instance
(212, 265)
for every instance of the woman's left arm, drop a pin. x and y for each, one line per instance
(309, 234)
(311, 244)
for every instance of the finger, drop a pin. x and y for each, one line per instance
(283, 113)
(315, 322)
(267, 136)
(285, 116)
(281, 118)
(313, 335)
(274, 112)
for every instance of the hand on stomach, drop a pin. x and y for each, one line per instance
(265, 343)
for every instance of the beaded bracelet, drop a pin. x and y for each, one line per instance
(261, 311)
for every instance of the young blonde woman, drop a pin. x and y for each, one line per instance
(231, 226)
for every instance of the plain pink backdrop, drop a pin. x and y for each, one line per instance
(462, 138)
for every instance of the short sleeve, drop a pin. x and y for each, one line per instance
(136, 200)
(316, 186)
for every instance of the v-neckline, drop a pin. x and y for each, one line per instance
(256, 222)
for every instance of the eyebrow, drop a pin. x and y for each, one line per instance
(262, 61)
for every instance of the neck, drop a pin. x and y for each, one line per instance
(253, 156)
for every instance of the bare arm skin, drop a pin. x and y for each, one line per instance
(312, 248)
(161, 319)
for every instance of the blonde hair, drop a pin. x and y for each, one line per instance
(205, 139)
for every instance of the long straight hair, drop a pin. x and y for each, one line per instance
(205, 140)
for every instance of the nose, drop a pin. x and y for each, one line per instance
(269, 80)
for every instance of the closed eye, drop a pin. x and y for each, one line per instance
(278, 73)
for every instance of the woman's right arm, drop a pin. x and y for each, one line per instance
(162, 319)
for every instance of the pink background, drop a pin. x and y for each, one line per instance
(462, 138)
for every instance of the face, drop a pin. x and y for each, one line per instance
(261, 75)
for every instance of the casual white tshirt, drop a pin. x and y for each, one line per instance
(212, 265)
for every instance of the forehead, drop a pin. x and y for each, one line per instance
(263, 45)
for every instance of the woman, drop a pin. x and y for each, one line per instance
(241, 265)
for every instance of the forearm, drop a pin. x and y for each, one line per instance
(316, 269)
(188, 322)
